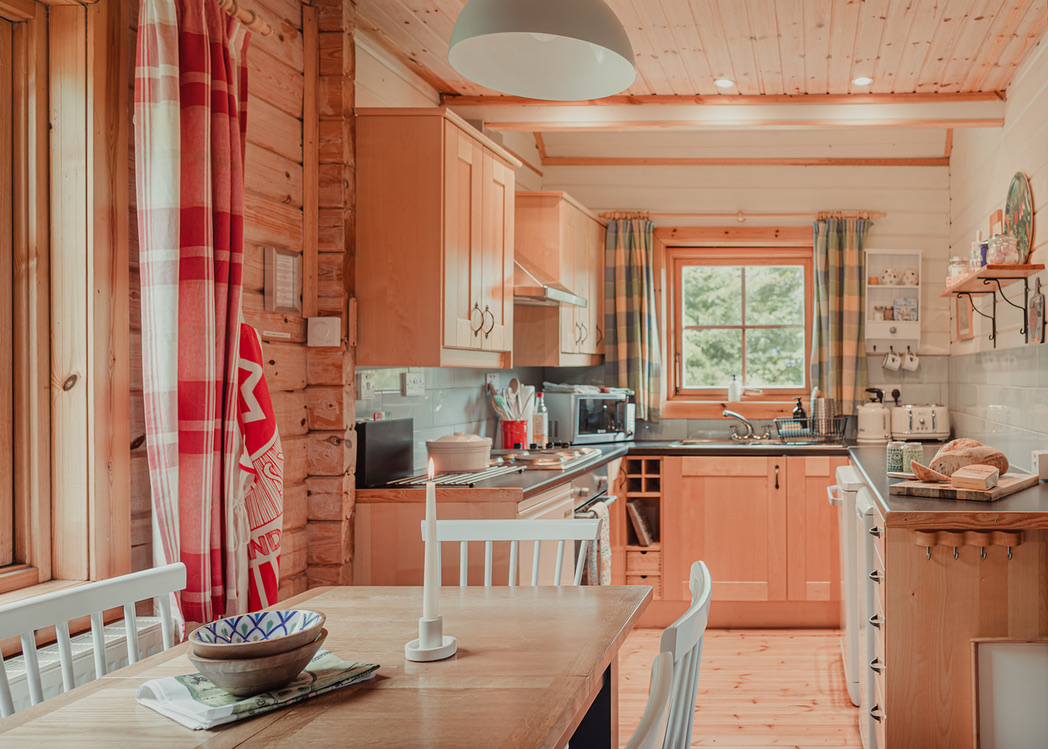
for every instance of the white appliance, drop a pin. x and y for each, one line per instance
(926, 422)
(873, 422)
(842, 496)
(868, 618)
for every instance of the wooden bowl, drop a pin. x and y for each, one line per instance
(256, 634)
(243, 677)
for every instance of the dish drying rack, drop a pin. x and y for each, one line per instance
(810, 431)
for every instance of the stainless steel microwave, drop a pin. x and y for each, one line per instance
(586, 418)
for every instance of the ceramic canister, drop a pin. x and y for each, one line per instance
(894, 456)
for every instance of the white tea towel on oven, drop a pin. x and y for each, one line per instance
(598, 558)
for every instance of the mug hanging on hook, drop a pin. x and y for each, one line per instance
(910, 361)
(892, 361)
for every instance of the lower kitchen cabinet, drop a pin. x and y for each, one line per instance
(764, 527)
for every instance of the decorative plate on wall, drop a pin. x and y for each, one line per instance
(1018, 214)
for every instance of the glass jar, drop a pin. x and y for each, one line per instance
(1003, 250)
(957, 270)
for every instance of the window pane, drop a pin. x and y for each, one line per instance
(712, 295)
(711, 357)
(775, 295)
(775, 357)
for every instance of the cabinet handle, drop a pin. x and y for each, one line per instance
(776, 476)
(875, 531)
(487, 311)
(876, 621)
(600, 335)
(585, 332)
(875, 713)
(476, 330)
(876, 576)
(578, 333)
(876, 666)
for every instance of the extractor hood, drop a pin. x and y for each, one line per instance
(531, 286)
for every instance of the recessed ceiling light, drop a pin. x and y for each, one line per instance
(862, 80)
(724, 83)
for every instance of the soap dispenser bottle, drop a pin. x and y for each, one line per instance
(798, 410)
(734, 390)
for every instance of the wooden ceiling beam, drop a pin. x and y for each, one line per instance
(723, 100)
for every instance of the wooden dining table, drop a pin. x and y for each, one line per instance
(535, 667)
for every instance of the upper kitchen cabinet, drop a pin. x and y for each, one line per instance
(559, 246)
(434, 242)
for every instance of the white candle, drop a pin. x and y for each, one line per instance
(429, 580)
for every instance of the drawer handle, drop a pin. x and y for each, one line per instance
(875, 713)
(876, 620)
(487, 311)
(876, 576)
(875, 531)
(876, 666)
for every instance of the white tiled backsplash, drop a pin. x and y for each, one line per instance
(455, 400)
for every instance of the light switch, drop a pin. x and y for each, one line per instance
(324, 331)
(365, 386)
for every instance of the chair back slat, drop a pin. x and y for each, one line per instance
(56, 609)
(651, 732)
(563, 531)
(65, 655)
(683, 639)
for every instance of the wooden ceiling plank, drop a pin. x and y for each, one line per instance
(926, 19)
(1007, 21)
(736, 34)
(976, 35)
(818, 14)
(714, 49)
(843, 35)
(688, 39)
(765, 33)
(1031, 30)
(868, 41)
(659, 67)
(791, 50)
(944, 42)
(894, 43)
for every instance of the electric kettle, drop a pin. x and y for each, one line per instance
(874, 420)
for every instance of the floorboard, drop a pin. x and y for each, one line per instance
(757, 688)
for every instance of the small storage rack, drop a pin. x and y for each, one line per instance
(810, 431)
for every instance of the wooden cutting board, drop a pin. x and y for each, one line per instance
(1008, 484)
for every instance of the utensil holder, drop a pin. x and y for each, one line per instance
(822, 415)
(514, 433)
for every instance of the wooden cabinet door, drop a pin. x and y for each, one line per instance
(570, 228)
(598, 292)
(731, 513)
(813, 546)
(496, 255)
(588, 261)
(463, 191)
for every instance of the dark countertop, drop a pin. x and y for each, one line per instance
(1027, 508)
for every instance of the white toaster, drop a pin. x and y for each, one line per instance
(931, 422)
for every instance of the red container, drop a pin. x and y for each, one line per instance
(514, 434)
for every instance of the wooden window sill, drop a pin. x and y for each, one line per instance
(682, 409)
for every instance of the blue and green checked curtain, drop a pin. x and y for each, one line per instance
(838, 351)
(632, 356)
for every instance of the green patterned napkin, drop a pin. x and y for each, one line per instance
(196, 703)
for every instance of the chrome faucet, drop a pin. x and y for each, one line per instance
(749, 427)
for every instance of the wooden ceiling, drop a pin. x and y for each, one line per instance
(769, 47)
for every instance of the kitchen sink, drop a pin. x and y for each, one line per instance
(770, 443)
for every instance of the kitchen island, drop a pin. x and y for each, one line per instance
(948, 573)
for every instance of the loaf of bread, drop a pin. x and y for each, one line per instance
(948, 461)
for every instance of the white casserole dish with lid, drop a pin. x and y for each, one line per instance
(459, 452)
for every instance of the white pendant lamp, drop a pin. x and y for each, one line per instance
(559, 50)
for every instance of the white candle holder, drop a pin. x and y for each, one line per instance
(432, 644)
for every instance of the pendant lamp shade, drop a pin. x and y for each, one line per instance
(559, 50)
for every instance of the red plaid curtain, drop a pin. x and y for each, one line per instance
(190, 123)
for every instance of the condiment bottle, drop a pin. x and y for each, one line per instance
(540, 421)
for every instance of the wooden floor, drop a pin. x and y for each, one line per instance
(757, 688)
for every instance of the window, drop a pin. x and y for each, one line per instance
(742, 312)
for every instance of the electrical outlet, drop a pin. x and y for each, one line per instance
(492, 378)
(412, 383)
(365, 386)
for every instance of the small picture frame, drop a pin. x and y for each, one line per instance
(964, 318)
(996, 222)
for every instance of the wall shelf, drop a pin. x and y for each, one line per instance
(991, 279)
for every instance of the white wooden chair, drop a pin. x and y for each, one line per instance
(514, 531)
(683, 638)
(59, 608)
(651, 732)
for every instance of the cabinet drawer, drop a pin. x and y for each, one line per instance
(655, 581)
(643, 563)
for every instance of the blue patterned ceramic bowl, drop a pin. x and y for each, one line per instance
(257, 634)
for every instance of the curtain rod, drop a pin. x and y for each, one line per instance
(249, 18)
(741, 216)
